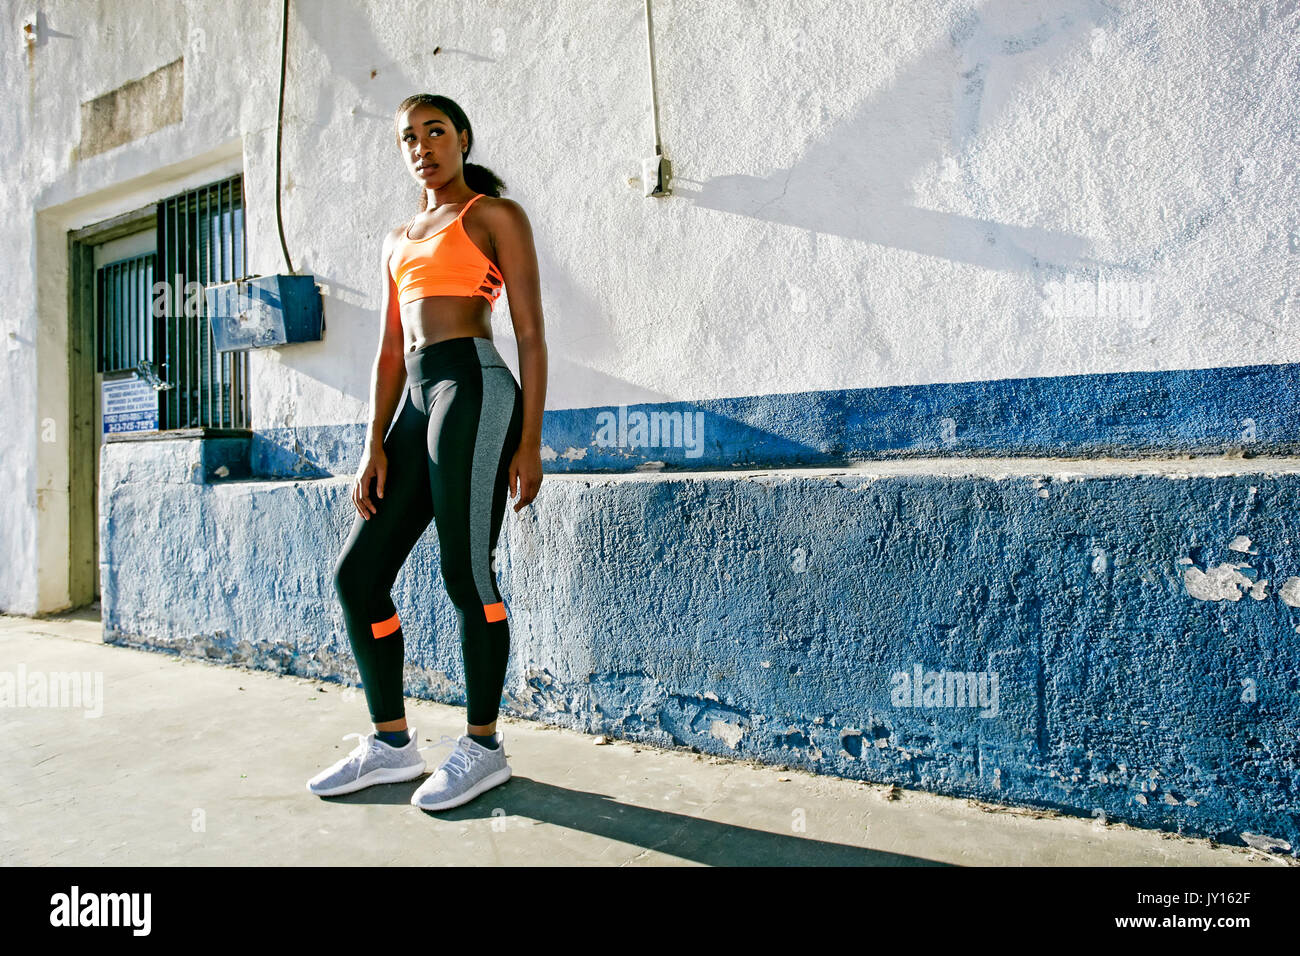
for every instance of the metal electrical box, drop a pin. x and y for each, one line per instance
(264, 311)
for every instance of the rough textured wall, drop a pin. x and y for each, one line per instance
(867, 194)
(1085, 640)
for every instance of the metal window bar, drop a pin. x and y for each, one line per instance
(201, 239)
(124, 331)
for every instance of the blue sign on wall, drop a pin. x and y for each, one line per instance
(130, 403)
(264, 311)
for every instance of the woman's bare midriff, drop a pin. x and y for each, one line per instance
(438, 317)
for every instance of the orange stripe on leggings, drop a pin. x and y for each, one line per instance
(495, 612)
(384, 628)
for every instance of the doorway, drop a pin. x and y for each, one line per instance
(110, 273)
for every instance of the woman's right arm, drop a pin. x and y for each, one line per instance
(387, 379)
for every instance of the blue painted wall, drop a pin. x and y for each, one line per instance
(771, 616)
(1249, 409)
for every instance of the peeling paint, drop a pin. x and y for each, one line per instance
(1224, 582)
(1290, 592)
(729, 734)
(1241, 543)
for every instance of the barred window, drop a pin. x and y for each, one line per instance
(150, 310)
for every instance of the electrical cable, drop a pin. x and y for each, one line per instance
(279, 128)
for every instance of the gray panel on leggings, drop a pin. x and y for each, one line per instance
(488, 356)
(489, 441)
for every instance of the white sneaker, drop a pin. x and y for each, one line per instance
(469, 770)
(371, 762)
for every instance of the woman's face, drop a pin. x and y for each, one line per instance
(430, 144)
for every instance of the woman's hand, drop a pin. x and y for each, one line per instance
(374, 464)
(525, 474)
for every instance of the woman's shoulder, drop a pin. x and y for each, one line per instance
(395, 234)
(500, 212)
(497, 202)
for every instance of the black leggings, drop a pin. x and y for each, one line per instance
(449, 449)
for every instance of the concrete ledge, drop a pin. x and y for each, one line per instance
(1242, 410)
(183, 459)
(1129, 628)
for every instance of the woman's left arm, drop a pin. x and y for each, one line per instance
(512, 237)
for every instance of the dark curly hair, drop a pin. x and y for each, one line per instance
(478, 178)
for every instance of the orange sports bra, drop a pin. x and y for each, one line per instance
(445, 263)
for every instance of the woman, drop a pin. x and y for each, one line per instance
(465, 432)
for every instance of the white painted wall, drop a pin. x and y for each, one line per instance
(866, 193)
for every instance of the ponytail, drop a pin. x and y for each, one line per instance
(483, 180)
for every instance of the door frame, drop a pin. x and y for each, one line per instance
(83, 450)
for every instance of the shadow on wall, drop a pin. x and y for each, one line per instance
(1241, 411)
(856, 182)
(350, 28)
(323, 451)
(958, 83)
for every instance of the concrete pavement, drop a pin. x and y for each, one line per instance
(193, 763)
